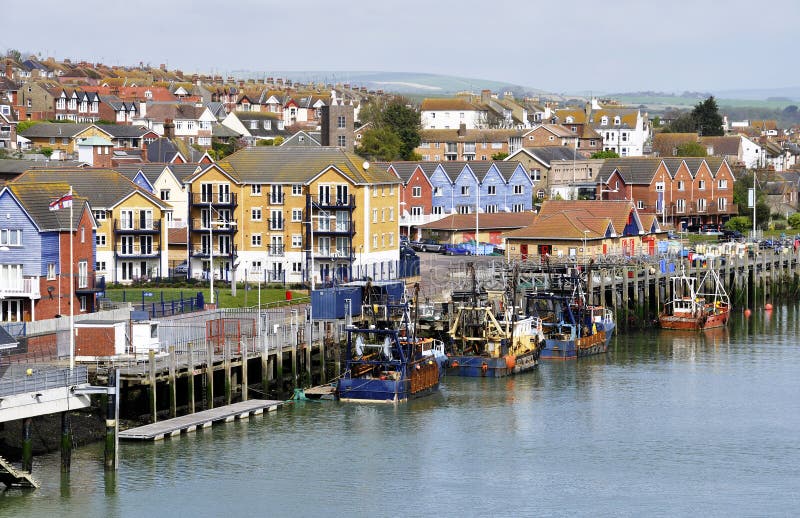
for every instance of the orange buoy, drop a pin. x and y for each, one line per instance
(768, 307)
(511, 361)
(747, 312)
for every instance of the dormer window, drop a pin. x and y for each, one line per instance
(616, 120)
(570, 120)
(604, 120)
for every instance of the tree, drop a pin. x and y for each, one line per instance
(500, 156)
(707, 119)
(46, 151)
(381, 144)
(605, 154)
(23, 125)
(794, 220)
(396, 115)
(739, 223)
(683, 123)
(692, 149)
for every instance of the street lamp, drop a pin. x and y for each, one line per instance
(226, 224)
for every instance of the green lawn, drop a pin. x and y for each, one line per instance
(223, 292)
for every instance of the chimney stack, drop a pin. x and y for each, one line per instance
(9, 70)
(486, 96)
(169, 129)
(462, 130)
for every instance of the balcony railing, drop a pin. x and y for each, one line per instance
(275, 250)
(332, 253)
(334, 227)
(137, 251)
(215, 198)
(201, 225)
(713, 209)
(203, 251)
(276, 199)
(27, 287)
(137, 226)
(332, 201)
(275, 223)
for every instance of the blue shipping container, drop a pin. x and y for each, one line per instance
(329, 303)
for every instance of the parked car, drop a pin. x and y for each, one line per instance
(404, 240)
(407, 251)
(728, 235)
(456, 250)
(427, 245)
(181, 269)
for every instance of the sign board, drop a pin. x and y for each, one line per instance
(751, 195)
(147, 294)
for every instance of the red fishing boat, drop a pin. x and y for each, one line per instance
(691, 308)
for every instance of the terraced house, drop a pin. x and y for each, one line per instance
(293, 214)
(681, 191)
(131, 240)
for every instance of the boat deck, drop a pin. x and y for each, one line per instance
(191, 422)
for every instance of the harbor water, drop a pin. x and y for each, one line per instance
(665, 424)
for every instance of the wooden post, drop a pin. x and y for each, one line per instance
(244, 370)
(209, 375)
(66, 443)
(173, 389)
(266, 368)
(294, 365)
(308, 359)
(110, 462)
(27, 445)
(152, 387)
(190, 373)
(322, 375)
(227, 360)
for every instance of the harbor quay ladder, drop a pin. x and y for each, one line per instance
(12, 477)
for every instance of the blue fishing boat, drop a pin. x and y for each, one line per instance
(381, 366)
(571, 328)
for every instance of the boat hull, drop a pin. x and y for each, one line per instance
(484, 367)
(572, 349)
(694, 323)
(424, 379)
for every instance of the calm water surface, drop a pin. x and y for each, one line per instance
(666, 424)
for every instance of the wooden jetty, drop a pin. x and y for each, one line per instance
(191, 422)
(12, 477)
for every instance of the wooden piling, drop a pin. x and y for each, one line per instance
(244, 371)
(27, 445)
(110, 459)
(173, 389)
(227, 369)
(209, 375)
(66, 443)
(190, 374)
(152, 386)
(294, 366)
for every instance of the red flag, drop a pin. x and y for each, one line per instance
(63, 202)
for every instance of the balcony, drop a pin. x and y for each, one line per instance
(201, 251)
(25, 287)
(333, 253)
(148, 226)
(343, 228)
(275, 223)
(333, 202)
(137, 251)
(275, 250)
(710, 209)
(201, 225)
(213, 199)
(90, 283)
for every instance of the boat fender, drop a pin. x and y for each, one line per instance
(454, 363)
(484, 368)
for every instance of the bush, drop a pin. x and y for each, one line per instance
(779, 225)
(739, 223)
(794, 220)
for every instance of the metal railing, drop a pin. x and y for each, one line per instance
(19, 381)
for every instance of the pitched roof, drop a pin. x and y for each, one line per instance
(664, 144)
(567, 219)
(178, 236)
(447, 104)
(499, 220)
(549, 154)
(470, 135)
(267, 164)
(556, 129)
(633, 169)
(103, 188)
(35, 198)
(53, 129)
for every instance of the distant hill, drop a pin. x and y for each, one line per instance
(407, 83)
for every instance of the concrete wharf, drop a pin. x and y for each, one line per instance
(191, 422)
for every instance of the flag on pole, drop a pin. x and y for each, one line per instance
(63, 202)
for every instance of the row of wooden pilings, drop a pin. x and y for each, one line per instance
(637, 291)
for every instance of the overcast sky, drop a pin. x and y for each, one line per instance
(558, 46)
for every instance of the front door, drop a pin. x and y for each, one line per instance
(523, 251)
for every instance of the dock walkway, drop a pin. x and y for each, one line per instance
(12, 477)
(191, 422)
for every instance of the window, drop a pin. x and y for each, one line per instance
(391, 213)
(659, 186)
(82, 300)
(255, 266)
(722, 204)
(374, 191)
(701, 205)
(164, 194)
(297, 215)
(722, 184)
(100, 240)
(255, 189)
(297, 240)
(255, 214)
(491, 190)
(83, 274)
(437, 210)
(519, 189)
(491, 209)
(51, 271)
(99, 215)
(680, 206)
(465, 190)
(297, 190)
(437, 191)
(681, 185)
(518, 207)
(391, 238)
(536, 175)
(297, 267)
(83, 234)
(540, 194)
(464, 209)
(341, 122)
(255, 240)
(276, 220)
(10, 237)
(383, 215)
(640, 204)
(276, 194)
(604, 121)
(701, 185)
(374, 215)
(383, 240)
(416, 192)
(374, 240)
(99, 266)
(416, 211)
(341, 141)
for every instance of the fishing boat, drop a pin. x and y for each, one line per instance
(693, 309)
(385, 361)
(572, 328)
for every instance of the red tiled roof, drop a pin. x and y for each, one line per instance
(567, 219)
(500, 220)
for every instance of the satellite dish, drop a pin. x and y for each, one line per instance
(366, 165)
